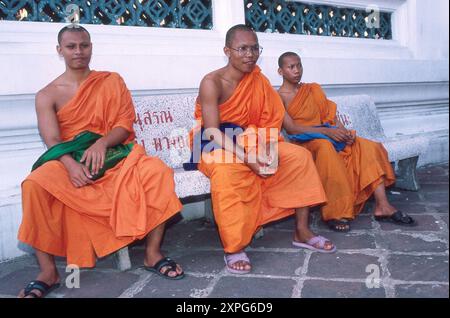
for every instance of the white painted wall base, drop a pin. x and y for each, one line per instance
(10, 218)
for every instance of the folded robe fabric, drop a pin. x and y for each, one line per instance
(349, 176)
(339, 146)
(242, 200)
(79, 145)
(130, 200)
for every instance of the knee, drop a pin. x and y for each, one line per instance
(231, 174)
(160, 167)
(324, 144)
(297, 154)
(223, 170)
(29, 186)
(164, 168)
(323, 147)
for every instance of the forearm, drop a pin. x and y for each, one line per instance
(298, 129)
(66, 160)
(116, 136)
(228, 145)
(50, 140)
(225, 142)
(339, 124)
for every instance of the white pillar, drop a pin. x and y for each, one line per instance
(423, 27)
(227, 13)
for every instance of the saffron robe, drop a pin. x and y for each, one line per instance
(351, 176)
(242, 200)
(129, 201)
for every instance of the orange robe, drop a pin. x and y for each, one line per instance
(243, 201)
(124, 205)
(351, 176)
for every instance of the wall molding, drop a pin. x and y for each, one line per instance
(384, 5)
(393, 100)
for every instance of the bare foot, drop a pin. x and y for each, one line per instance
(305, 234)
(239, 262)
(339, 225)
(50, 278)
(151, 260)
(384, 210)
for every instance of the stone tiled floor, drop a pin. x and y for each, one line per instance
(411, 262)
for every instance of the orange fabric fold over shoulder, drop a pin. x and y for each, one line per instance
(125, 204)
(351, 176)
(242, 200)
(310, 107)
(254, 104)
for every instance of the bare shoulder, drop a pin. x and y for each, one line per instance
(286, 97)
(211, 85)
(46, 97)
(212, 79)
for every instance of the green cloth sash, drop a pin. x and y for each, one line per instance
(79, 145)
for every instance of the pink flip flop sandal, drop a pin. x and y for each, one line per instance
(231, 259)
(313, 241)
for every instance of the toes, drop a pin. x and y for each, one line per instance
(34, 291)
(328, 245)
(164, 270)
(236, 266)
(172, 272)
(243, 266)
(240, 266)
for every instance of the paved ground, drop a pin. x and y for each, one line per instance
(411, 262)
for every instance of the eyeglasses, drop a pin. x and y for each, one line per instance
(244, 50)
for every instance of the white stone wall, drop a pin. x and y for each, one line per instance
(407, 76)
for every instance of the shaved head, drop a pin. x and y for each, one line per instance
(232, 32)
(71, 28)
(285, 55)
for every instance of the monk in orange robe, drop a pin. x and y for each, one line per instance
(350, 176)
(246, 193)
(65, 212)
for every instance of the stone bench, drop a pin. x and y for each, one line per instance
(162, 126)
(164, 121)
(359, 112)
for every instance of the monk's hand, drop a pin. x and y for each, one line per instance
(337, 134)
(263, 166)
(269, 161)
(258, 169)
(94, 156)
(78, 173)
(351, 137)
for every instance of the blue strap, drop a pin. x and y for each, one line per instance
(200, 143)
(305, 137)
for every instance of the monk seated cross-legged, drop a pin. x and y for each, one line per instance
(351, 168)
(247, 192)
(94, 191)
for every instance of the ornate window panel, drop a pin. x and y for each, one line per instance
(295, 17)
(185, 14)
